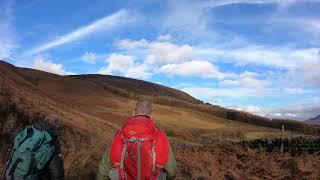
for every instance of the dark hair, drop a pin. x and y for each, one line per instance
(45, 125)
(143, 107)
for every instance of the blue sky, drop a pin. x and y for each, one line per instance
(261, 56)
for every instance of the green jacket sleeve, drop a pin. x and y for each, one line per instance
(171, 167)
(105, 165)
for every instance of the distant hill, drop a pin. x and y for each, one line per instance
(313, 121)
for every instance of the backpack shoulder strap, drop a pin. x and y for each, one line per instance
(22, 136)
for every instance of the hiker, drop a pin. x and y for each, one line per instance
(139, 150)
(36, 154)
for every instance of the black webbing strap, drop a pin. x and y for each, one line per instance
(32, 164)
(13, 168)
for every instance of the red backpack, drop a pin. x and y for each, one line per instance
(139, 150)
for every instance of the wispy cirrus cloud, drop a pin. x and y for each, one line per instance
(7, 35)
(218, 3)
(191, 20)
(185, 17)
(106, 23)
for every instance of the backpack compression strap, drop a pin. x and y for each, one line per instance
(13, 168)
(138, 141)
(153, 157)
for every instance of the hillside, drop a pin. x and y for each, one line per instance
(90, 108)
(313, 121)
(79, 100)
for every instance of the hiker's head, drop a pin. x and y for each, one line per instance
(143, 107)
(50, 126)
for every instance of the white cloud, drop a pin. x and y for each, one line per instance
(196, 67)
(186, 19)
(125, 65)
(168, 58)
(298, 67)
(306, 28)
(166, 52)
(193, 19)
(246, 82)
(180, 60)
(235, 95)
(159, 52)
(299, 111)
(206, 92)
(251, 109)
(130, 44)
(7, 37)
(275, 57)
(249, 74)
(117, 63)
(103, 24)
(216, 101)
(166, 37)
(48, 66)
(305, 109)
(305, 74)
(218, 3)
(246, 79)
(312, 24)
(89, 57)
(311, 72)
(296, 90)
(138, 71)
(278, 57)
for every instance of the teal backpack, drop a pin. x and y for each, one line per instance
(31, 151)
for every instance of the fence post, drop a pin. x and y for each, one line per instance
(282, 137)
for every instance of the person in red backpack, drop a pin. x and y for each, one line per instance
(139, 150)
